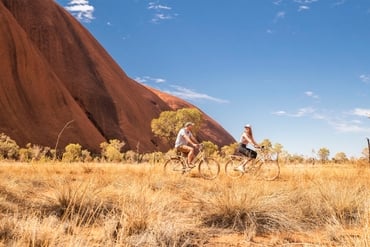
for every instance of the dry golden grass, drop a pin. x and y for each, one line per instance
(96, 204)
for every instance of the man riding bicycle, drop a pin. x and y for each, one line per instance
(186, 142)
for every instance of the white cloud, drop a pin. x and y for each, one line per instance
(311, 94)
(161, 12)
(365, 78)
(152, 5)
(280, 113)
(280, 15)
(340, 2)
(304, 4)
(149, 79)
(302, 112)
(348, 127)
(188, 94)
(160, 17)
(277, 2)
(175, 90)
(303, 7)
(305, 1)
(341, 122)
(361, 112)
(81, 9)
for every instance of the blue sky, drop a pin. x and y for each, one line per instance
(298, 71)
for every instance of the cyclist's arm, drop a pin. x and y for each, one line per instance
(251, 140)
(191, 140)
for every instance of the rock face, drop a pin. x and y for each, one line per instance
(53, 71)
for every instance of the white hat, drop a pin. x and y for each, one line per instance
(247, 126)
(188, 123)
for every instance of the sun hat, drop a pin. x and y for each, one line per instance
(189, 123)
(247, 126)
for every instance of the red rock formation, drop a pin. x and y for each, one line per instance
(52, 70)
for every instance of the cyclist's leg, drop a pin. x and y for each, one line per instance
(251, 153)
(189, 151)
(245, 152)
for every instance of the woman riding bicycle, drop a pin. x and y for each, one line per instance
(245, 139)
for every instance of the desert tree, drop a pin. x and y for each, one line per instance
(267, 147)
(278, 149)
(340, 157)
(323, 154)
(170, 122)
(295, 158)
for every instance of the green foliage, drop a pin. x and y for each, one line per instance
(75, 153)
(112, 151)
(210, 148)
(8, 147)
(170, 122)
(25, 155)
(86, 155)
(340, 157)
(267, 144)
(33, 152)
(229, 149)
(323, 154)
(277, 148)
(295, 159)
(153, 158)
(170, 153)
(132, 157)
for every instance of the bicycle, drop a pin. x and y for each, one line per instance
(265, 166)
(208, 168)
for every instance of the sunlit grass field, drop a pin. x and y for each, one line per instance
(105, 204)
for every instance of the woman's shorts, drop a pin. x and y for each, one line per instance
(247, 151)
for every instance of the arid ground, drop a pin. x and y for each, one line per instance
(105, 204)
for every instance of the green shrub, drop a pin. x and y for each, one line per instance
(73, 153)
(8, 147)
(112, 151)
(210, 148)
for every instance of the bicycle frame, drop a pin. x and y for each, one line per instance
(208, 168)
(264, 165)
(184, 157)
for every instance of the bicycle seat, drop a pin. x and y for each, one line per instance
(180, 153)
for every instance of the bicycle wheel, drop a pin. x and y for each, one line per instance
(209, 168)
(174, 165)
(231, 168)
(267, 169)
